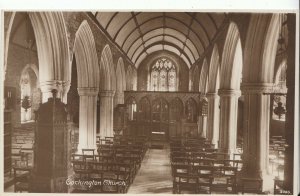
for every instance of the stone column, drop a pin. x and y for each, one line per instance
(47, 86)
(118, 98)
(228, 120)
(87, 117)
(213, 118)
(289, 167)
(256, 132)
(202, 126)
(106, 113)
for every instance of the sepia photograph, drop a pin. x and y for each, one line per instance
(150, 102)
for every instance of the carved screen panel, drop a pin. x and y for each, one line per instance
(191, 110)
(160, 110)
(176, 110)
(144, 110)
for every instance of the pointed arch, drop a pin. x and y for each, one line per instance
(232, 61)
(52, 45)
(107, 72)
(120, 76)
(214, 71)
(34, 68)
(52, 49)
(8, 23)
(86, 57)
(260, 48)
(203, 77)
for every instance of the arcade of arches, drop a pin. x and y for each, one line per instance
(222, 81)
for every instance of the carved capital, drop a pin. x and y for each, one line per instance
(229, 92)
(87, 91)
(211, 95)
(107, 93)
(257, 88)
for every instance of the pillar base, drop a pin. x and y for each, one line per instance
(251, 179)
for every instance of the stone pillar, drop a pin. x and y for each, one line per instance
(289, 169)
(87, 117)
(256, 132)
(106, 113)
(118, 98)
(213, 118)
(202, 126)
(228, 120)
(47, 86)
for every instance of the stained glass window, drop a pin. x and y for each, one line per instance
(163, 76)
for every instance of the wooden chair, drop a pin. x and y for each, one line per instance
(251, 185)
(88, 154)
(205, 178)
(81, 169)
(21, 178)
(180, 169)
(185, 182)
(203, 162)
(225, 179)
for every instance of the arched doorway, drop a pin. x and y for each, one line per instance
(30, 94)
(160, 116)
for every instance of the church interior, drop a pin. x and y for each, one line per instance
(149, 102)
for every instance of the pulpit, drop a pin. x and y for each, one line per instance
(51, 148)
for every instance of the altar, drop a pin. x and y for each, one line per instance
(158, 139)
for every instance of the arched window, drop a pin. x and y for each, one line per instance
(163, 75)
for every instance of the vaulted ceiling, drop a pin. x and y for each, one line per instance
(139, 34)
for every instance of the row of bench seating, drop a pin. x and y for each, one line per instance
(199, 168)
(114, 166)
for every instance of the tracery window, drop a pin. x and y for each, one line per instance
(163, 75)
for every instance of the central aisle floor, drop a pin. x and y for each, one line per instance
(154, 176)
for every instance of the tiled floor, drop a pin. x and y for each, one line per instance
(154, 175)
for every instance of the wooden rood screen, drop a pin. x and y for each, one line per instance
(173, 113)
